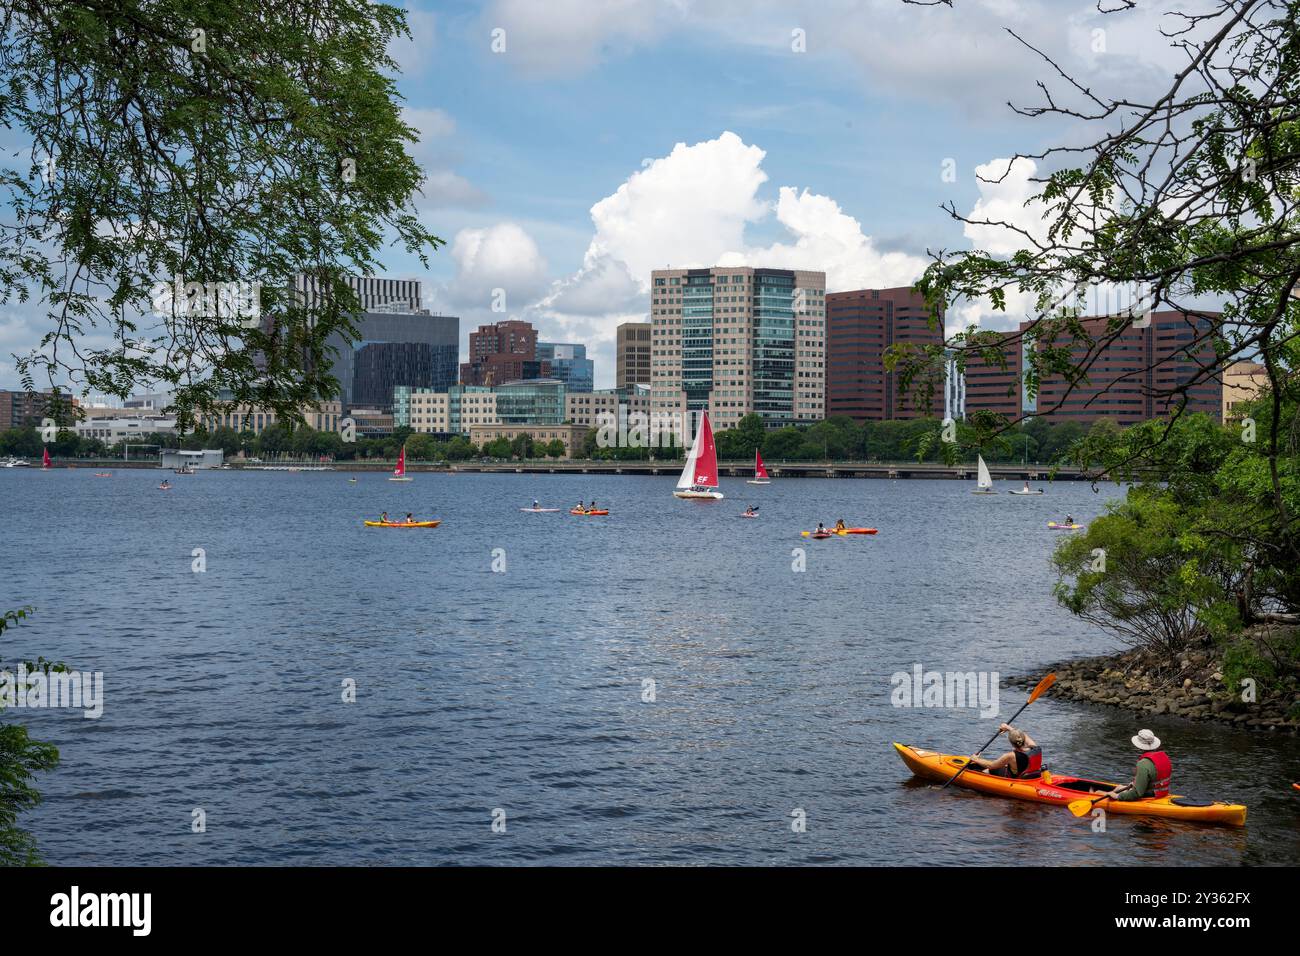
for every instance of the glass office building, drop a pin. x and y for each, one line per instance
(531, 402)
(569, 364)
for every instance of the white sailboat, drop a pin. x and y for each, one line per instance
(984, 485)
(700, 473)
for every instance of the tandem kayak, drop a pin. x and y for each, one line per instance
(402, 524)
(575, 511)
(830, 531)
(1061, 789)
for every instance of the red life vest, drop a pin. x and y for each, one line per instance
(1033, 761)
(1164, 771)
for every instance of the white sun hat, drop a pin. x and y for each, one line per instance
(1146, 740)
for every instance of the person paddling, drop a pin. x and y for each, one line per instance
(384, 517)
(1069, 520)
(821, 529)
(1152, 774)
(410, 518)
(839, 525)
(580, 507)
(1024, 760)
(750, 512)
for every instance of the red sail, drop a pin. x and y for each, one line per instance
(45, 462)
(400, 470)
(706, 465)
(759, 470)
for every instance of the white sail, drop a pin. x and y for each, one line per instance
(985, 479)
(687, 479)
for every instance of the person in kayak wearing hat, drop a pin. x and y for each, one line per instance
(1153, 771)
(1024, 760)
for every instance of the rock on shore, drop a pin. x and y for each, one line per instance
(1192, 687)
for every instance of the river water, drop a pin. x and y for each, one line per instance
(523, 695)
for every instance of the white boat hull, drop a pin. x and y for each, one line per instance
(1026, 492)
(758, 481)
(983, 491)
(711, 495)
(401, 479)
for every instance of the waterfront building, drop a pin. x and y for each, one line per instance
(590, 409)
(632, 362)
(111, 429)
(860, 325)
(503, 352)
(453, 412)
(1242, 382)
(568, 364)
(243, 417)
(531, 402)
(1123, 379)
(371, 422)
(572, 435)
(735, 340)
(195, 459)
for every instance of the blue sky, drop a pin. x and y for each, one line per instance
(610, 137)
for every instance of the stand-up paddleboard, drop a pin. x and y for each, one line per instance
(538, 511)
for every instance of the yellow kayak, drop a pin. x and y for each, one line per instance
(1062, 789)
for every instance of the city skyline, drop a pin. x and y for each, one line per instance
(568, 217)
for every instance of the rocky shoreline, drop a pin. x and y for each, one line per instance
(1192, 687)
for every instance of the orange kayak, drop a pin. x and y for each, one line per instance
(1061, 789)
(575, 511)
(402, 524)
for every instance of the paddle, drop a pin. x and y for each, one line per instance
(1081, 808)
(1043, 684)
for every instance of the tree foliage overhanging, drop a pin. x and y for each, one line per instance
(207, 141)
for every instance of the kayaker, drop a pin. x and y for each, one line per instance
(1153, 771)
(384, 517)
(1024, 760)
(1069, 520)
(591, 507)
(410, 518)
(749, 512)
(821, 529)
(580, 507)
(839, 525)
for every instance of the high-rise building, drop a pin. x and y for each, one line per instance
(1134, 378)
(20, 409)
(569, 364)
(735, 340)
(391, 349)
(375, 295)
(633, 358)
(503, 352)
(860, 326)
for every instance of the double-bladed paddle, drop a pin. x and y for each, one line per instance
(1043, 684)
(1081, 808)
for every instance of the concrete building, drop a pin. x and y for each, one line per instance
(736, 340)
(111, 429)
(569, 364)
(179, 458)
(1242, 382)
(591, 408)
(860, 326)
(323, 417)
(632, 361)
(453, 412)
(374, 294)
(1123, 380)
